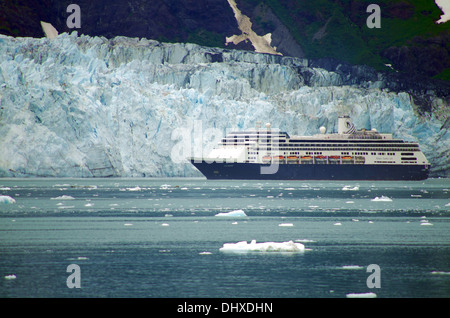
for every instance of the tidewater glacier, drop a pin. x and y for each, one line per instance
(81, 106)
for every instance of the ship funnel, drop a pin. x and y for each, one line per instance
(345, 125)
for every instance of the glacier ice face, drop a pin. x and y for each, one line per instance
(85, 106)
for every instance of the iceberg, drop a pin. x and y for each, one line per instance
(7, 199)
(381, 199)
(63, 197)
(126, 107)
(235, 213)
(351, 267)
(349, 188)
(12, 276)
(361, 295)
(243, 246)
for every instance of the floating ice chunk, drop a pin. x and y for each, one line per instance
(10, 276)
(348, 188)
(64, 197)
(448, 204)
(350, 202)
(286, 224)
(164, 224)
(235, 213)
(426, 223)
(352, 267)
(128, 224)
(243, 246)
(337, 223)
(137, 188)
(305, 241)
(361, 295)
(440, 273)
(7, 199)
(5, 188)
(205, 253)
(382, 199)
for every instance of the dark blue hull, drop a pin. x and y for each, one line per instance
(312, 171)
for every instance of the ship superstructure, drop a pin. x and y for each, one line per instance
(266, 153)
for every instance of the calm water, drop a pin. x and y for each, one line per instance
(161, 238)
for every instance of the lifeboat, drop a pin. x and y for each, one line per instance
(307, 160)
(334, 159)
(347, 159)
(267, 159)
(292, 159)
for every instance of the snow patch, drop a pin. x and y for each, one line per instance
(444, 5)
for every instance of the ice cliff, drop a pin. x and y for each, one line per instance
(85, 106)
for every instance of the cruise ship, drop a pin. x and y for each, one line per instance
(269, 154)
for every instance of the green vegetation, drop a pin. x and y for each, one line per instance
(346, 36)
(444, 75)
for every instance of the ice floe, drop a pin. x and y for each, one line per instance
(361, 295)
(352, 267)
(7, 199)
(235, 213)
(64, 197)
(381, 199)
(243, 246)
(349, 188)
(137, 188)
(286, 224)
(10, 276)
